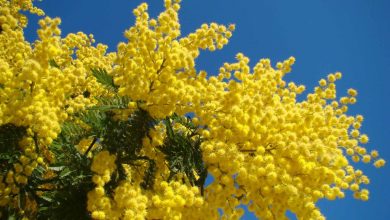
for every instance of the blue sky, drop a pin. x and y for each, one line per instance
(325, 36)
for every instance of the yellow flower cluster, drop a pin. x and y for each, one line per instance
(84, 144)
(284, 154)
(130, 202)
(20, 172)
(127, 201)
(104, 165)
(15, 7)
(264, 147)
(149, 148)
(175, 200)
(34, 92)
(156, 67)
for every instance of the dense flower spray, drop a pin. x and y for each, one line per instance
(90, 134)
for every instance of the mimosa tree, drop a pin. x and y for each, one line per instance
(133, 134)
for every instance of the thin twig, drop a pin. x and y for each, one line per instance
(90, 146)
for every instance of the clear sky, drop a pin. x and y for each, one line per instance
(325, 36)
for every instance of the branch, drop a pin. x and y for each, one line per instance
(90, 146)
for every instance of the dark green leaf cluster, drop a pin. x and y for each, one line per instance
(124, 139)
(10, 135)
(65, 197)
(182, 151)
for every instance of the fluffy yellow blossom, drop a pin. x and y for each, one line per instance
(103, 163)
(379, 163)
(265, 145)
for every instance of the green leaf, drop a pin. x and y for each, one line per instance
(183, 152)
(96, 119)
(22, 199)
(44, 208)
(104, 107)
(105, 79)
(65, 172)
(57, 169)
(48, 199)
(110, 103)
(149, 175)
(169, 128)
(72, 132)
(53, 63)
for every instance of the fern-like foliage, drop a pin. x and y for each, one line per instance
(182, 151)
(111, 103)
(105, 79)
(96, 120)
(64, 194)
(71, 132)
(71, 182)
